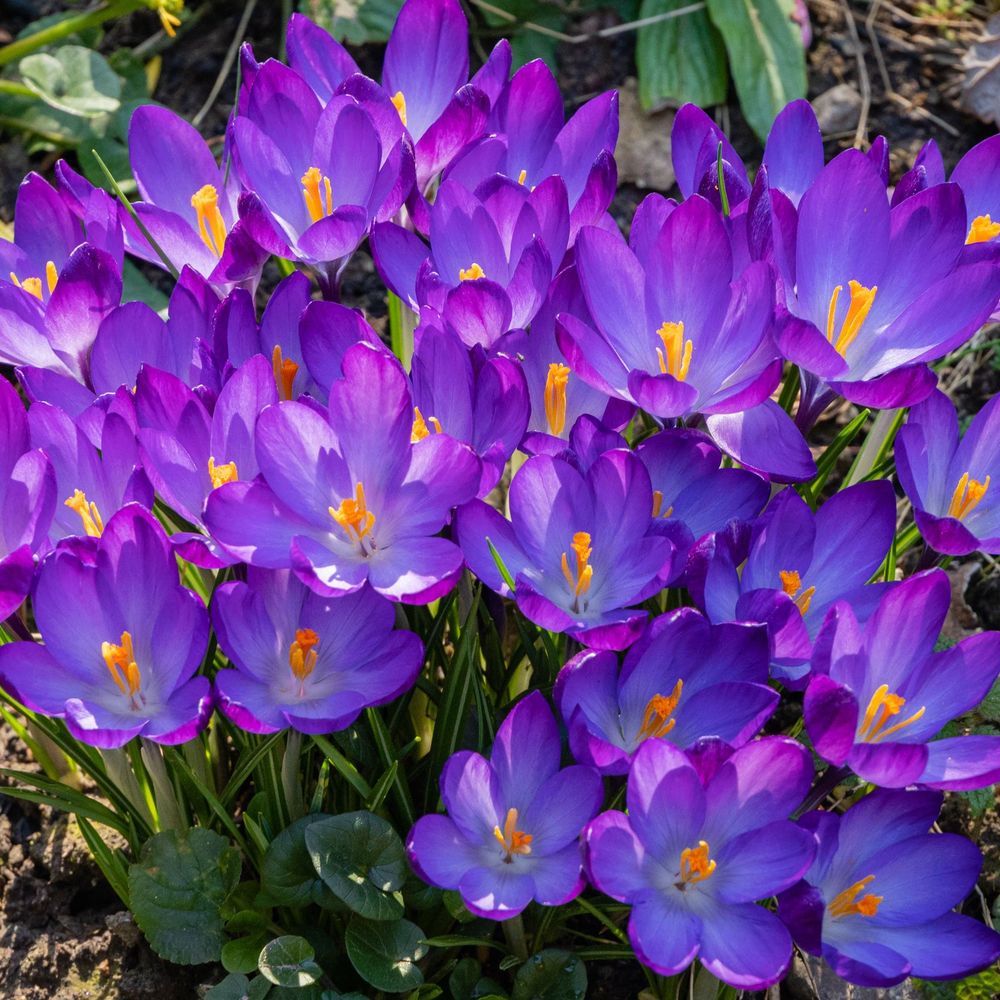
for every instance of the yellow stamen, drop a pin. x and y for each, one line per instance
(982, 230)
(120, 661)
(471, 273)
(555, 397)
(658, 505)
(512, 840)
(420, 428)
(211, 225)
(695, 865)
(311, 181)
(169, 21)
(658, 720)
(580, 582)
(221, 474)
(522, 176)
(33, 286)
(675, 356)
(89, 514)
(51, 276)
(967, 495)
(285, 371)
(399, 103)
(302, 655)
(844, 903)
(882, 707)
(354, 516)
(791, 584)
(862, 299)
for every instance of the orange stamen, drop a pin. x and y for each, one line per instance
(846, 902)
(302, 655)
(285, 371)
(221, 474)
(120, 661)
(512, 840)
(318, 206)
(555, 397)
(211, 225)
(862, 299)
(882, 707)
(658, 720)
(471, 273)
(579, 582)
(982, 230)
(658, 505)
(967, 495)
(89, 514)
(695, 865)
(420, 428)
(354, 516)
(675, 355)
(33, 286)
(399, 103)
(791, 584)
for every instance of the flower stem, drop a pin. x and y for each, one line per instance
(825, 784)
(513, 932)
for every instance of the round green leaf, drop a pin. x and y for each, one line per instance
(361, 859)
(385, 953)
(241, 954)
(287, 874)
(289, 961)
(74, 79)
(177, 889)
(551, 975)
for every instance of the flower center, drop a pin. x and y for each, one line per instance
(512, 840)
(658, 505)
(302, 656)
(285, 371)
(675, 355)
(579, 580)
(89, 514)
(791, 584)
(420, 428)
(120, 661)
(319, 203)
(882, 707)
(471, 273)
(399, 103)
(221, 474)
(658, 720)
(211, 225)
(695, 866)
(862, 299)
(847, 901)
(967, 495)
(33, 286)
(555, 397)
(982, 230)
(168, 11)
(354, 516)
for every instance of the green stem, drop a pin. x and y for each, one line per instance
(69, 26)
(513, 932)
(876, 445)
(16, 89)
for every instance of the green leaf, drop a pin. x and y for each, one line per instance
(356, 22)
(177, 889)
(361, 859)
(73, 79)
(981, 800)
(287, 873)
(989, 708)
(766, 55)
(289, 961)
(681, 58)
(463, 979)
(236, 986)
(241, 954)
(385, 953)
(551, 975)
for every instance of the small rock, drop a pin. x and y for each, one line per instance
(643, 150)
(838, 109)
(123, 926)
(812, 979)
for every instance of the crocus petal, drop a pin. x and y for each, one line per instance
(766, 440)
(614, 856)
(665, 936)
(951, 947)
(496, 893)
(745, 945)
(962, 763)
(440, 852)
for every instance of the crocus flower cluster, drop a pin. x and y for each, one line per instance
(234, 505)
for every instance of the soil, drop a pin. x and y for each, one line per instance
(63, 934)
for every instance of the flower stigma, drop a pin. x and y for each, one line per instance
(862, 299)
(302, 656)
(659, 720)
(318, 206)
(120, 661)
(882, 707)
(555, 397)
(285, 371)
(399, 103)
(89, 514)
(675, 355)
(579, 582)
(221, 474)
(355, 518)
(471, 273)
(695, 866)
(847, 902)
(658, 505)
(967, 495)
(420, 428)
(211, 225)
(791, 584)
(512, 840)
(982, 230)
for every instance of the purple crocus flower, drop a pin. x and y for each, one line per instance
(880, 693)
(189, 202)
(123, 640)
(513, 825)
(580, 547)
(188, 453)
(530, 144)
(683, 680)
(948, 479)
(305, 661)
(799, 564)
(879, 292)
(478, 400)
(702, 841)
(492, 257)
(877, 903)
(27, 501)
(345, 496)
(675, 333)
(319, 176)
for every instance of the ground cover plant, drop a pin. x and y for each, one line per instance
(546, 633)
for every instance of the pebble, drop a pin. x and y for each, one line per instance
(838, 109)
